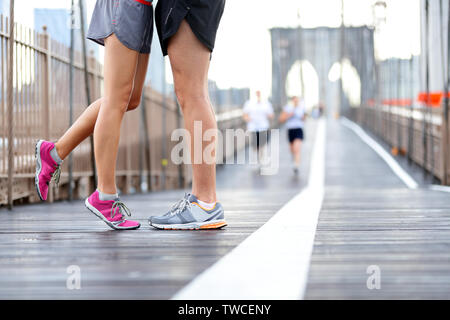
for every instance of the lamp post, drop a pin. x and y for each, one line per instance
(87, 87)
(379, 19)
(10, 104)
(341, 92)
(426, 110)
(445, 108)
(72, 27)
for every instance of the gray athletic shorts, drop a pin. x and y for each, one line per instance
(130, 20)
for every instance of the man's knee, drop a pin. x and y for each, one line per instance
(187, 96)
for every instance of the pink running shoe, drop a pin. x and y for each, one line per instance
(46, 168)
(111, 212)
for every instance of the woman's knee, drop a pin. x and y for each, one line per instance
(120, 99)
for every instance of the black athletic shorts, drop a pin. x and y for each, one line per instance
(296, 133)
(203, 17)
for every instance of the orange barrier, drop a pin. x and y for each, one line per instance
(398, 102)
(433, 99)
(394, 102)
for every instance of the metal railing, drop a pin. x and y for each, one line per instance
(417, 132)
(41, 111)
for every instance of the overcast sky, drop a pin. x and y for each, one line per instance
(242, 57)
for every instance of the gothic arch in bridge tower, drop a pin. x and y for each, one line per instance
(351, 81)
(302, 80)
(322, 48)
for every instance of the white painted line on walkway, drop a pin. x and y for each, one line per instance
(391, 162)
(436, 187)
(273, 262)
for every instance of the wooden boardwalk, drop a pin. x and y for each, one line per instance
(38, 242)
(368, 218)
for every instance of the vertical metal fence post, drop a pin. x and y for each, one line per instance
(72, 27)
(163, 126)
(128, 166)
(387, 95)
(46, 92)
(411, 111)
(342, 31)
(10, 106)
(446, 108)
(399, 106)
(425, 126)
(147, 143)
(88, 92)
(377, 104)
(445, 83)
(141, 146)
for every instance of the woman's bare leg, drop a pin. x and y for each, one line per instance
(80, 130)
(119, 72)
(84, 125)
(189, 59)
(296, 146)
(291, 148)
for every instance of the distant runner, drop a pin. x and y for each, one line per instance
(293, 116)
(257, 114)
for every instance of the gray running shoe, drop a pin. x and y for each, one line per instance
(187, 214)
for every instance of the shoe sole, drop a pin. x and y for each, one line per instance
(208, 225)
(102, 217)
(37, 149)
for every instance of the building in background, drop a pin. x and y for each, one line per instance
(4, 7)
(58, 26)
(57, 22)
(226, 99)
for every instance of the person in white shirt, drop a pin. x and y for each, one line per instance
(257, 114)
(293, 116)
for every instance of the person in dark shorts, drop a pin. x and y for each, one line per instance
(258, 113)
(125, 28)
(293, 115)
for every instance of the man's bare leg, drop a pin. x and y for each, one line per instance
(189, 59)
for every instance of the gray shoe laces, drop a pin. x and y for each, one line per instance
(180, 206)
(56, 175)
(122, 208)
